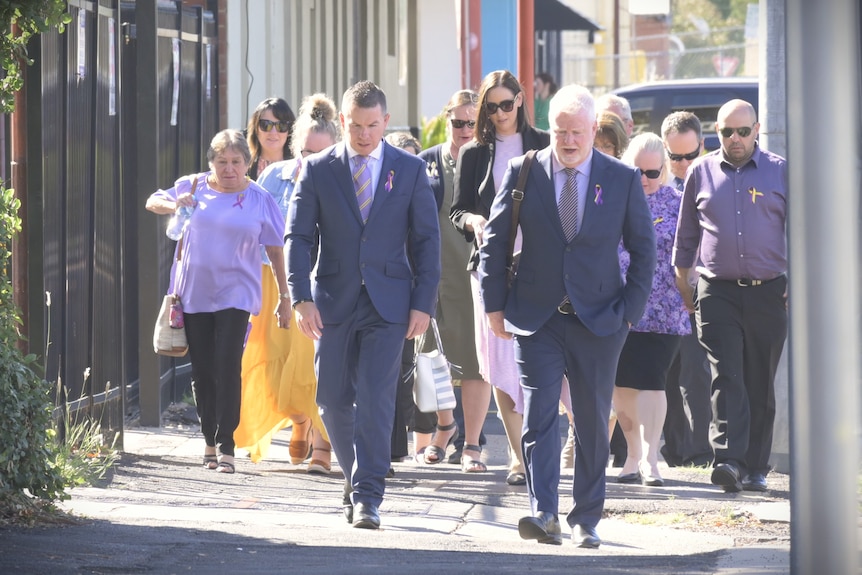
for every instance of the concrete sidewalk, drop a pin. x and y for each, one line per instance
(161, 512)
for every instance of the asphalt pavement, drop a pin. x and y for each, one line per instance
(159, 511)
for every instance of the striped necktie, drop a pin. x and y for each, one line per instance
(362, 185)
(568, 206)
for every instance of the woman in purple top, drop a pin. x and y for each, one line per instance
(639, 397)
(218, 279)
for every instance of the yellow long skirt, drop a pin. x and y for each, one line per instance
(277, 378)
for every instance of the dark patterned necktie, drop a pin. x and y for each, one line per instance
(568, 206)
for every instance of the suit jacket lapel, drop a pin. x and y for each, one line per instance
(597, 172)
(381, 194)
(344, 178)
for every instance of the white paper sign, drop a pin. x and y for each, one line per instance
(175, 100)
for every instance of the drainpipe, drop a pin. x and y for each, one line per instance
(526, 50)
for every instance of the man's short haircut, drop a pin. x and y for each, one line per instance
(616, 104)
(680, 123)
(571, 99)
(364, 94)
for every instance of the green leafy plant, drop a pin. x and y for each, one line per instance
(433, 131)
(21, 20)
(29, 476)
(83, 454)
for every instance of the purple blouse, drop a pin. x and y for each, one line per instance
(665, 312)
(221, 265)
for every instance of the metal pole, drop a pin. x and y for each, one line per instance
(773, 137)
(823, 76)
(526, 50)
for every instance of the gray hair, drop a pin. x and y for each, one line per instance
(616, 104)
(229, 139)
(571, 99)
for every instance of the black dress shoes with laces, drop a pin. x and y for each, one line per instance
(366, 516)
(754, 482)
(585, 536)
(347, 508)
(727, 476)
(544, 528)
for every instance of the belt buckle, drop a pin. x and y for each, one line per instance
(748, 283)
(566, 308)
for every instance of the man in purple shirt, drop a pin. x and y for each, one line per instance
(734, 211)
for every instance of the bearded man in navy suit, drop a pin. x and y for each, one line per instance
(366, 199)
(568, 308)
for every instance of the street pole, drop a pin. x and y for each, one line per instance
(824, 179)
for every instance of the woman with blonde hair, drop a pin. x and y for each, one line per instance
(279, 385)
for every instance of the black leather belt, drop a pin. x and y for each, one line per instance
(746, 282)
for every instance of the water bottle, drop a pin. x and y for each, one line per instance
(178, 222)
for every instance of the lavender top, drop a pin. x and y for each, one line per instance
(221, 265)
(507, 147)
(736, 215)
(665, 312)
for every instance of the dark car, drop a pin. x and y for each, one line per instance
(652, 101)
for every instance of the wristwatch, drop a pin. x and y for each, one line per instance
(284, 296)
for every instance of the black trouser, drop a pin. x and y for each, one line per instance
(686, 426)
(216, 342)
(743, 331)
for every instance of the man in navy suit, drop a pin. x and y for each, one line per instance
(366, 199)
(568, 308)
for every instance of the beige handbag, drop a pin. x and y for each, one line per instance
(169, 335)
(169, 340)
(432, 380)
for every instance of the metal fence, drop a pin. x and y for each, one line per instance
(105, 141)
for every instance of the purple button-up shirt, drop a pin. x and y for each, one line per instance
(736, 215)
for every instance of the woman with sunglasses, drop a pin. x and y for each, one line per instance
(279, 385)
(268, 132)
(639, 397)
(454, 300)
(502, 132)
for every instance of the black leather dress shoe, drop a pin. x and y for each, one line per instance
(727, 475)
(585, 536)
(347, 508)
(366, 516)
(755, 482)
(544, 528)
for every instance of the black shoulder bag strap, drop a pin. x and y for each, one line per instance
(517, 197)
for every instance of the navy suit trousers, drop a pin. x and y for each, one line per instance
(358, 366)
(564, 346)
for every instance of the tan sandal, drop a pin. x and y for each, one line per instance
(300, 449)
(319, 466)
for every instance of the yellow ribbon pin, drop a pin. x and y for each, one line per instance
(754, 193)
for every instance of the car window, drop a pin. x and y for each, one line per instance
(704, 105)
(642, 107)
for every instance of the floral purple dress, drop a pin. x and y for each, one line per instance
(665, 312)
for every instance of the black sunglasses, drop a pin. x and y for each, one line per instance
(743, 132)
(505, 105)
(652, 174)
(458, 124)
(680, 157)
(268, 125)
